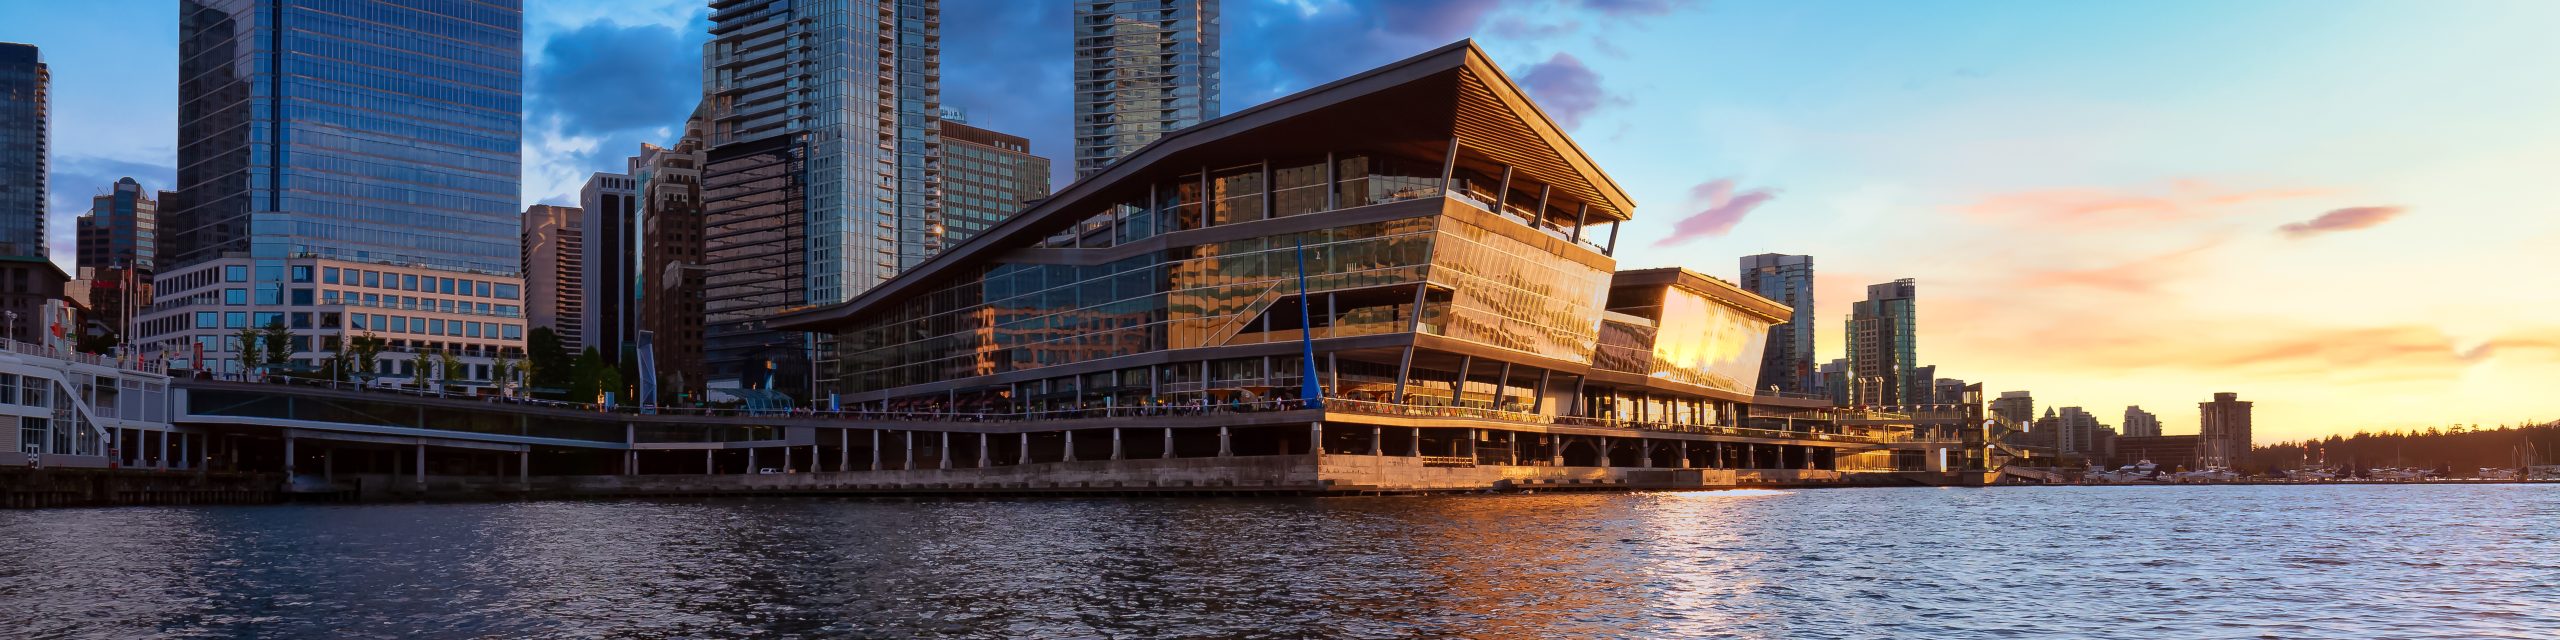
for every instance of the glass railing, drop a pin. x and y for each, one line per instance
(129, 363)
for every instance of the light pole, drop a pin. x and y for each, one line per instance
(13, 324)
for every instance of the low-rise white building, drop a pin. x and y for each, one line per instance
(200, 310)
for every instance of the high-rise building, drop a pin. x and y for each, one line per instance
(116, 240)
(2223, 434)
(369, 131)
(2139, 423)
(555, 282)
(1788, 364)
(1833, 381)
(608, 207)
(1143, 68)
(986, 178)
(2014, 407)
(26, 148)
(813, 190)
(1883, 335)
(669, 282)
(2077, 432)
(1948, 391)
(318, 139)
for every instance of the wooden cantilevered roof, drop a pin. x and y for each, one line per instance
(1726, 293)
(1417, 105)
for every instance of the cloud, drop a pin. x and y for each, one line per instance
(1565, 89)
(603, 77)
(2108, 209)
(1637, 8)
(1724, 210)
(1006, 63)
(75, 179)
(2139, 276)
(2348, 219)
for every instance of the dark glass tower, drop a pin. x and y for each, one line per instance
(25, 149)
(1143, 68)
(1884, 346)
(1788, 364)
(375, 131)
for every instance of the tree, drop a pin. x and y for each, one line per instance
(503, 373)
(586, 376)
(547, 362)
(278, 342)
(366, 351)
(448, 368)
(251, 357)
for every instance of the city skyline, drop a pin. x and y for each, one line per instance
(2154, 275)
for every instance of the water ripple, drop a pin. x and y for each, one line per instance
(2189, 562)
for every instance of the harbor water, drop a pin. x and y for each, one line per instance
(2379, 561)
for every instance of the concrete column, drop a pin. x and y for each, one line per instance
(1556, 454)
(1315, 439)
(844, 450)
(524, 466)
(751, 461)
(1116, 453)
(1414, 448)
(707, 467)
(875, 449)
(1644, 453)
(1684, 453)
(328, 465)
(1512, 442)
(422, 464)
(1168, 442)
(288, 458)
(910, 464)
(1604, 451)
(1377, 441)
(986, 458)
(1224, 451)
(1025, 452)
(185, 460)
(946, 449)
(1069, 453)
(164, 451)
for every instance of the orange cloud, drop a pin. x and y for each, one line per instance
(2099, 209)
(2142, 275)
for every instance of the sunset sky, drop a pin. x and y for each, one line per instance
(2344, 211)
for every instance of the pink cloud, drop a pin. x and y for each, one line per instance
(2105, 209)
(1724, 210)
(2348, 219)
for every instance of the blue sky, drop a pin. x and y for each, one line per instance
(2337, 208)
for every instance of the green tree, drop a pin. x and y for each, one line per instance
(502, 372)
(548, 364)
(366, 353)
(251, 357)
(586, 376)
(448, 369)
(278, 343)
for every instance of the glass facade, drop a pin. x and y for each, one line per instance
(1884, 332)
(835, 107)
(1142, 68)
(25, 149)
(987, 177)
(1673, 334)
(363, 130)
(1788, 363)
(1485, 279)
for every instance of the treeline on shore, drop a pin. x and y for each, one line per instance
(2461, 449)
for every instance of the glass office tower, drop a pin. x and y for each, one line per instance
(25, 149)
(360, 130)
(1788, 364)
(1143, 68)
(823, 176)
(1884, 346)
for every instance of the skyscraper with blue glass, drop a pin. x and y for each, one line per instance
(823, 174)
(1143, 69)
(374, 131)
(25, 143)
